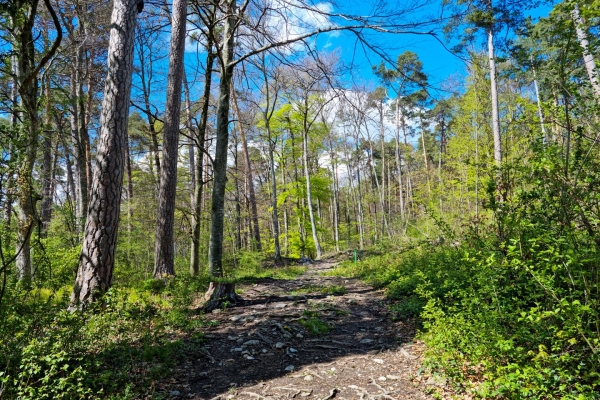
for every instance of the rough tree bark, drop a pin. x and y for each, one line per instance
(164, 248)
(96, 262)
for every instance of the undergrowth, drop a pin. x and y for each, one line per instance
(510, 309)
(122, 347)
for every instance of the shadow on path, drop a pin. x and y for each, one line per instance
(290, 339)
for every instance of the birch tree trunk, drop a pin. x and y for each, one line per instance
(588, 57)
(494, 93)
(97, 259)
(164, 248)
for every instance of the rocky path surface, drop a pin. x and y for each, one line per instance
(314, 337)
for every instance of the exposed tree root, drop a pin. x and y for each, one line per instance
(220, 295)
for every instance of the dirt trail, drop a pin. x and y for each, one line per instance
(269, 348)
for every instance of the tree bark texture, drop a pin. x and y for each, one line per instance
(97, 259)
(164, 249)
(28, 90)
(215, 258)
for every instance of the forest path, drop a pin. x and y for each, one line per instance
(313, 337)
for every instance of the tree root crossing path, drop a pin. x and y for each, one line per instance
(313, 337)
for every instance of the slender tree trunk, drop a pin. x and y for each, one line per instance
(146, 89)
(494, 93)
(96, 263)
(78, 150)
(539, 105)
(588, 57)
(164, 248)
(249, 176)
(198, 192)
(335, 205)
(47, 166)
(273, 192)
(399, 171)
(311, 213)
(217, 291)
(191, 145)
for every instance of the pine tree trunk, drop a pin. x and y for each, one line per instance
(164, 248)
(96, 263)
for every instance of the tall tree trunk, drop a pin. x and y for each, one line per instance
(164, 248)
(146, 89)
(273, 191)
(47, 166)
(249, 176)
(588, 57)
(79, 153)
(219, 292)
(399, 164)
(494, 93)
(198, 192)
(96, 263)
(311, 213)
(539, 105)
(335, 196)
(28, 90)
(191, 144)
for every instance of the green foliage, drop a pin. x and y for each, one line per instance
(508, 312)
(315, 325)
(116, 348)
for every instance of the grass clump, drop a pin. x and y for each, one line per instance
(311, 321)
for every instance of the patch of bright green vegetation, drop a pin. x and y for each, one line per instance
(313, 324)
(252, 267)
(334, 290)
(518, 322)
(115, 349)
